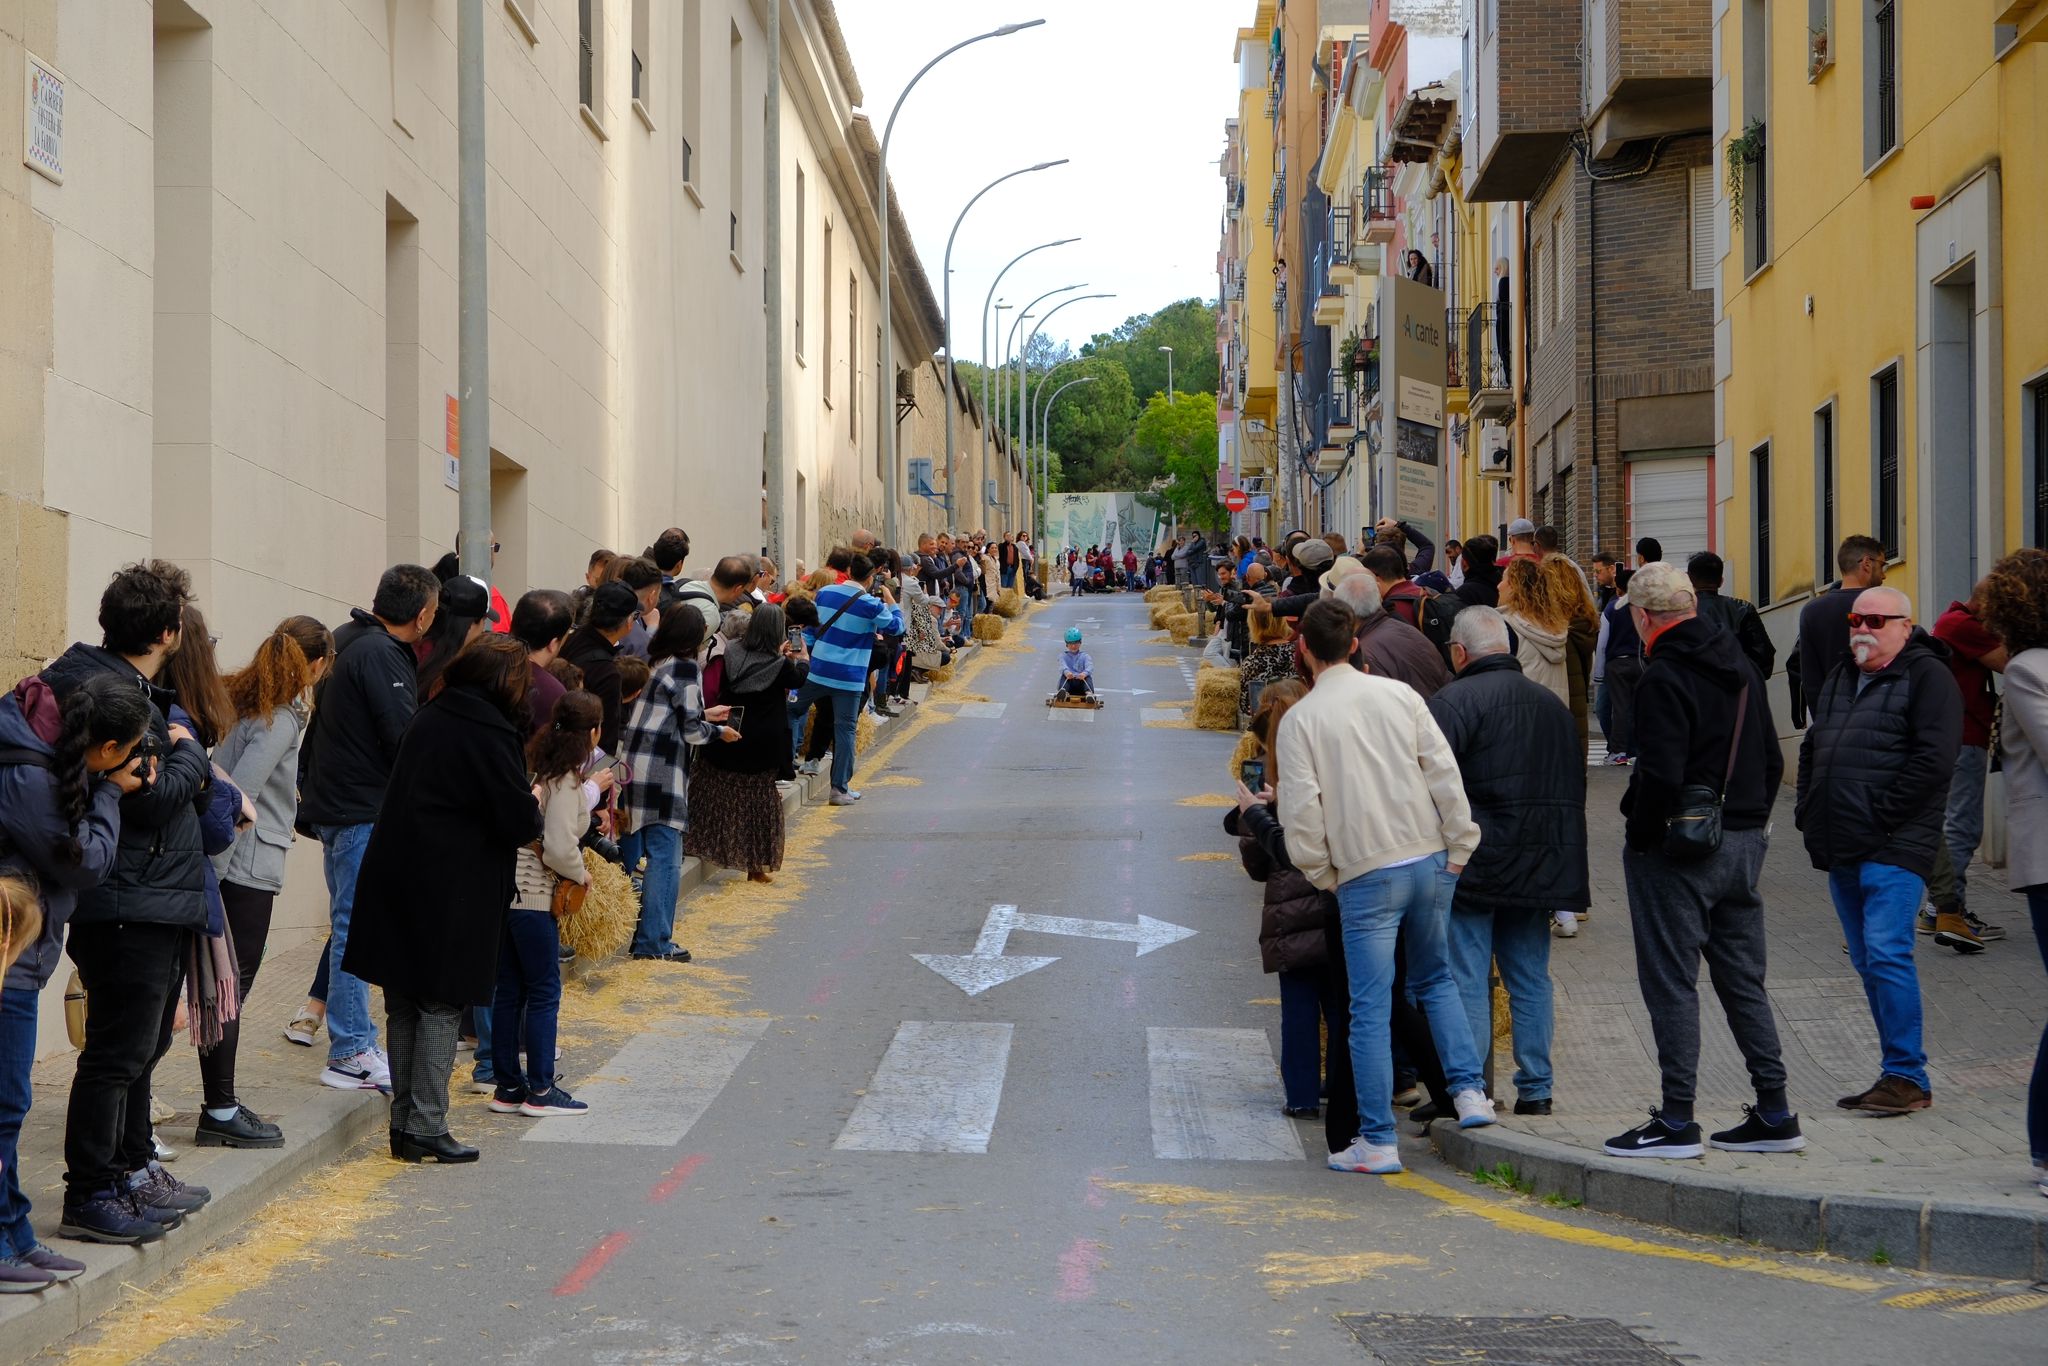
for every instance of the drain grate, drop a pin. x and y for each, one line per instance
(1417, 1340)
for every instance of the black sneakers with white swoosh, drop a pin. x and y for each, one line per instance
(1758, 1135)
(1656, 1139)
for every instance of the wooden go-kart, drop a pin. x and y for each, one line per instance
(1065, 700)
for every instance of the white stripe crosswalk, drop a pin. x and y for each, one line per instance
(1212, 1094)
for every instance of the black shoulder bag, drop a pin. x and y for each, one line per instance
(1694, 832)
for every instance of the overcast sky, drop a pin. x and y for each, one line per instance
(1133, 92)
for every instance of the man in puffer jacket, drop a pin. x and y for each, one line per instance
(1874, 771)
(129, 935)
(1518, 752)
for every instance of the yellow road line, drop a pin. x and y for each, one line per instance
(1520, 1221)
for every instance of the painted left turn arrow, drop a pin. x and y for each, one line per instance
(988, 966)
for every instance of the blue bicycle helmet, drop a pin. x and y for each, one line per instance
(1073, 635)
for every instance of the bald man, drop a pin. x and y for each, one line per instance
(1874, 771)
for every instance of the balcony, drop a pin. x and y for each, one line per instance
(1330, 459)
(1525, 81)
(1454, 362)
(1341, 269)
(1489, 361)
(1377, 200)
(1649, 71)
(1329, 311)
(1340, 409)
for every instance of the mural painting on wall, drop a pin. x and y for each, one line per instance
(1117, 520)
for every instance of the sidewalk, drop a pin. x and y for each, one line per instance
(276, 1079)
(1945, 1190)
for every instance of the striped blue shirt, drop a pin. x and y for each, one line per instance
(840, 656)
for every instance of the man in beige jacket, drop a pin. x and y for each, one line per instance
(1374, 809)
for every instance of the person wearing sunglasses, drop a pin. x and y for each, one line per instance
(1874, 772)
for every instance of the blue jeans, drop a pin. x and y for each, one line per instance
(1519, 943)
(484, 1071)
(529, 997)
(1375, 908)
(1962, 828)
(1876, 904)
(1301, 1040)
(660, 887)
(2037, 1090)
(350, 1030)
(17, 1057)
(1603, 709)
(845, 722)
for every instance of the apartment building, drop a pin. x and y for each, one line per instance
(1599, 118)
(1248, 323)
(1876, 373)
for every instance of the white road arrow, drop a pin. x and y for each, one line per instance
(1130, 692)
(988, 966)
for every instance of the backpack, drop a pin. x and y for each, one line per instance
(1429, 612)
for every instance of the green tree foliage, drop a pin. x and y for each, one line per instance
(1091, 422)
(1177, 442)
(1189, 327)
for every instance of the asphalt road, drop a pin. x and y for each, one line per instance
(824, 1150)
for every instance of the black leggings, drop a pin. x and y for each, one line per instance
(248, 917)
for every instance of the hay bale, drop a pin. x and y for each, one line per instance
(1181, 626)
(1164, 592)
(1216, 699)
(1247, 748)
(865, 729)
(988, 627)
(1503, 1020)
(1160, 611)
(604, 925)
(1010, 602)
(942, 674)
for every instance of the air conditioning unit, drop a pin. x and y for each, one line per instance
(1496, 462)
(906, 385)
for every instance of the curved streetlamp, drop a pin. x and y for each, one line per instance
(888, 396)
(988, 344)
(1169, 374)
(1011, 346)
(1024, 371)
(1045, 447)
(951, 375)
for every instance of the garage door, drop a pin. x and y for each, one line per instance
(1672, 500)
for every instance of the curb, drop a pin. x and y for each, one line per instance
(243, 1182)
(1947, 1237)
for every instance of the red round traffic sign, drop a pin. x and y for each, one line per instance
(1237, 500)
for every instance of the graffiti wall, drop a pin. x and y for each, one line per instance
(1117, 520)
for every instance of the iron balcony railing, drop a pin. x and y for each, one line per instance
(1341, 404)
(1454, 356)
(1378, 196)
(1489, 334)
(1340, 234)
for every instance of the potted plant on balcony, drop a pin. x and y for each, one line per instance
(1745, 150)
(1360, 351)
(1816, 52)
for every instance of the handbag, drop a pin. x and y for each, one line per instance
(568, 896)
(1694, 833)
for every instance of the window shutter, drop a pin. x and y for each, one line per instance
(1706, 252)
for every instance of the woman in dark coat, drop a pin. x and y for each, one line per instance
(736, 818)
(437, 880)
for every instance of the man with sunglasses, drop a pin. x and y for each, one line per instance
(1874, 772)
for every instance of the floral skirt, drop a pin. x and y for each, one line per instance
(735, 819)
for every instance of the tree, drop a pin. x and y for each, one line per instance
(1189, 327)
(1177, 442)
(1092, 422)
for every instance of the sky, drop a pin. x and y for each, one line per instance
(1133, 93)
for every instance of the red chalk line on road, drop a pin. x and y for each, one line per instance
(612, 1244)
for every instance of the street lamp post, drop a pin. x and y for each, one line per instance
(1169, 374)
(888, 395)
(1024, 371)
(951, 378)
(1045, 447)
(1011, 344)
(988, 341)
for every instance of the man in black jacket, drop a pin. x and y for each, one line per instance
(1518, 752)
(1874, 771)
(1734, 615)
(1823, 634)
(595, 650)
(1703, 731)
(129, 935)
(365, 705)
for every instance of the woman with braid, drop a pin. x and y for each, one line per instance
(63, 772)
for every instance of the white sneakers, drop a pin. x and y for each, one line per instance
(1564, 924)
(1475, 1111)
(1373, 1159)
(365, 1071)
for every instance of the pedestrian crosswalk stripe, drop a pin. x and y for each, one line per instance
(981, 711)
(1216, 1095)
(936, 1091)
(659, 1085)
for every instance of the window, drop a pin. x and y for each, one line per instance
(1884, 434)
(690, 87)
(1824, 520)
(643, 92)
(737, 151)
(1706, 254)
(2035, 417)
(1760, 495)
(826, 312)
(1560, 251)
(590, 56)
(853, 359)
(802, 242)
(1748, 145)
(1542, 279)
(1880, 80)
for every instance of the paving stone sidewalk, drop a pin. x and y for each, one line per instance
(1983, 1021)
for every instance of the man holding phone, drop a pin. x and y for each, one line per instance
(849, 618)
